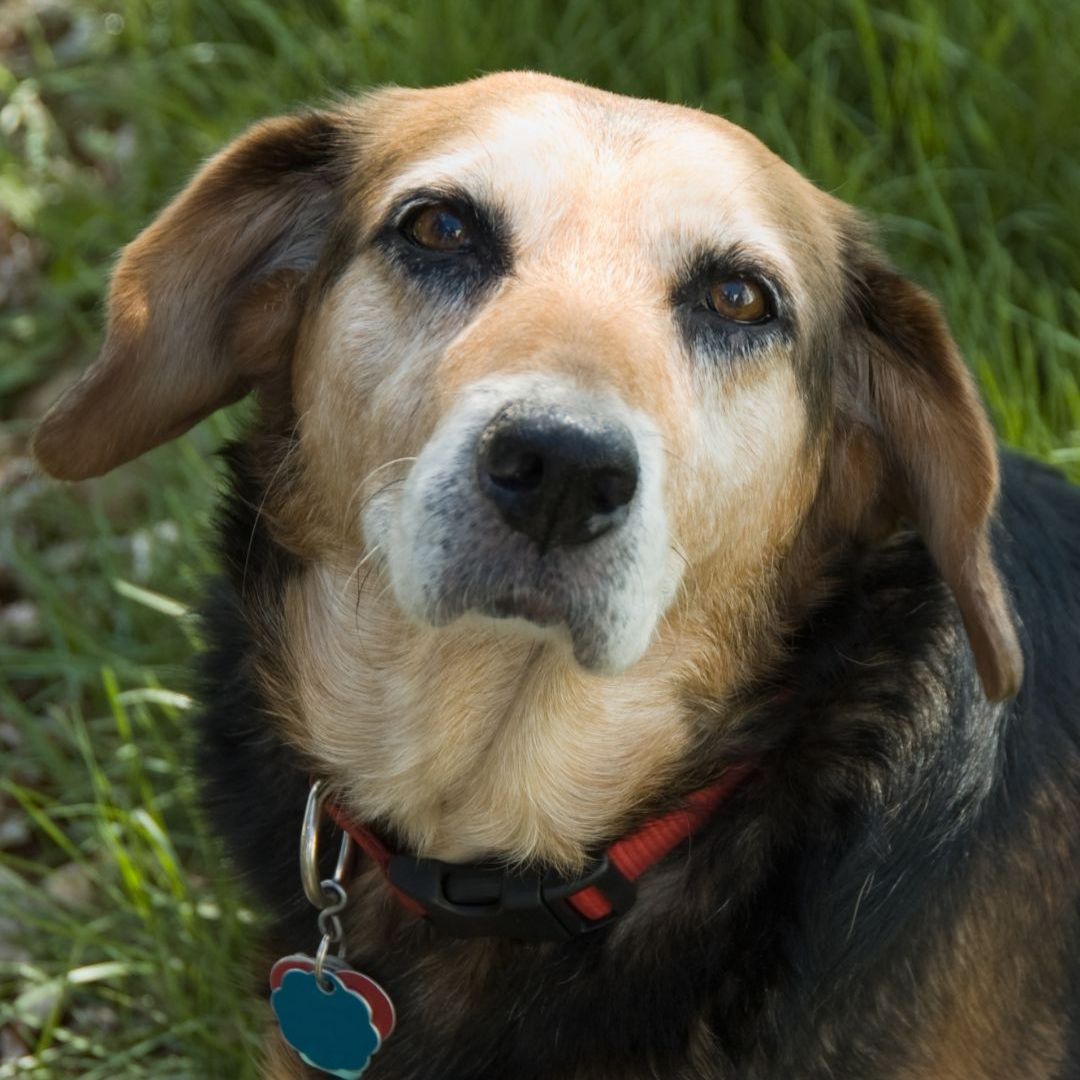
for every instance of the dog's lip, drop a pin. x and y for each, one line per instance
(555, 607)
(525, 603)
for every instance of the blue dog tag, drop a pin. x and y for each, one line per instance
(335, 1029)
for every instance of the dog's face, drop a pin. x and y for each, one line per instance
(581, 383)
(582, 375)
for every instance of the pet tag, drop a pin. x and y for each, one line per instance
(335, 1026)
(333, 1017)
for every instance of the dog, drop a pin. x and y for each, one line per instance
(620, 555)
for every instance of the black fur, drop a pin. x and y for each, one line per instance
(254, 785)
(798, 935)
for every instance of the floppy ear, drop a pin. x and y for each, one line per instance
(910, 384)
(205, 300)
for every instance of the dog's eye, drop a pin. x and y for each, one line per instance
(438, 227)
(741, 300)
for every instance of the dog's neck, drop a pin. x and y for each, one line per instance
(468, 741)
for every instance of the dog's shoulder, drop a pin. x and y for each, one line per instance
(1037, 544)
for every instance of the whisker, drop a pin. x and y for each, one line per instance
(375, 494)
(285, 457)
(382, 592)
(361, 585)
(357, 568)
(374, 472)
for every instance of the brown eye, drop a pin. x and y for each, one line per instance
(740, 299)
(438, 228)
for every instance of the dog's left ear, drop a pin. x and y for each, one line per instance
(206, 300)
(906, 380)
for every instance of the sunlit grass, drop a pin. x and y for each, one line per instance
(953, 126)
(131, 971)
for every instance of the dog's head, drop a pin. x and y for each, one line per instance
(566, 368)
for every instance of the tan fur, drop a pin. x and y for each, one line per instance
(279, 1062)
(469, 745)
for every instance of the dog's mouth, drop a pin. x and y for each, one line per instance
(558, 597)
(524, 603)
(599, 600)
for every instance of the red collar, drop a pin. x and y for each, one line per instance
(485, 900)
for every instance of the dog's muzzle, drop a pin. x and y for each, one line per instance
(539, 503)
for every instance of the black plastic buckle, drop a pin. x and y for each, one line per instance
(487, 901)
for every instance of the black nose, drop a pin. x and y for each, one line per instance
(558, 476)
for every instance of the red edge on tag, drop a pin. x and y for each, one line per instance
(382, 1008)
(286, 964)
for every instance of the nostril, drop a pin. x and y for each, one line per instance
(613, 488)
(515, 468)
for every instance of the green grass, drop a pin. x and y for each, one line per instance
(954, 126)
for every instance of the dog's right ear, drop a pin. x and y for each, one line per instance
(906, 383)
(206, 300)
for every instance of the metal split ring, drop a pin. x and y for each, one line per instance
(328, 893)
